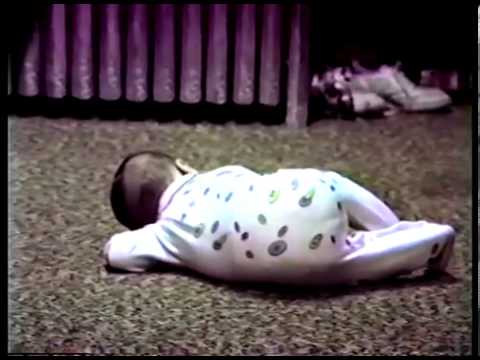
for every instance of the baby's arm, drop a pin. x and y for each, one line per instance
(361, 205)
(138, 250)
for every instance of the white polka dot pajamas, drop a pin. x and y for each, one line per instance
(291, 226)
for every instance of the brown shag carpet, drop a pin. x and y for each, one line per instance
(62, 299)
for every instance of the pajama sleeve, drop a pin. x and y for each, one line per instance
(362, 206)
(139, 250)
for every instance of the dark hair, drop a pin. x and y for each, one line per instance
(136, 191)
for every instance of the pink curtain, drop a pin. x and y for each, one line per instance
(190, 53)
(85, 51)
(160, 52)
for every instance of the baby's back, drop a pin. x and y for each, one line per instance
(235, 224)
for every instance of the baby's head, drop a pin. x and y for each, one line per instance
(139, 183)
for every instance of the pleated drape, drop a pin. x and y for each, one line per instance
(218, 53)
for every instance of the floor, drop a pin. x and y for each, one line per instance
(62, 299)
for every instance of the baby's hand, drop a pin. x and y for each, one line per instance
(137, 251)
(183, 166)
(121, 253)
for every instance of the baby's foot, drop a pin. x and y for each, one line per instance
(439, 262)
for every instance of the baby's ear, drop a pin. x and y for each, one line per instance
(183, 166)
(149, 198)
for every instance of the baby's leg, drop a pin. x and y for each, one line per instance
(399, 249)
(362, 206)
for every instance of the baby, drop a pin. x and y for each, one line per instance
(290, 227)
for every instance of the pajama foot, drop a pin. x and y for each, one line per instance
(440, 262)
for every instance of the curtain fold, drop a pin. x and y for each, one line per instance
(82, 84)
(110, 68)
(191, 56)
(164, 58)
(137, 53)
(29, 77)
(56, 54)
(217, 55)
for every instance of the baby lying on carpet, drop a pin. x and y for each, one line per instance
(291, 226)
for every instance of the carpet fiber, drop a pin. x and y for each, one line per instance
(62, 299)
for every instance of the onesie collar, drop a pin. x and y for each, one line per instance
(172, 190)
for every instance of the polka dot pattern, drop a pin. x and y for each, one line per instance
(282, 231)
(214, 227)
(236, 227)
(218, 243)
(274, 196)
(304, 202)
(277, 248)
(316, 241)
(294, 184)
(199, 229)
(307, 199)
(262, 219)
